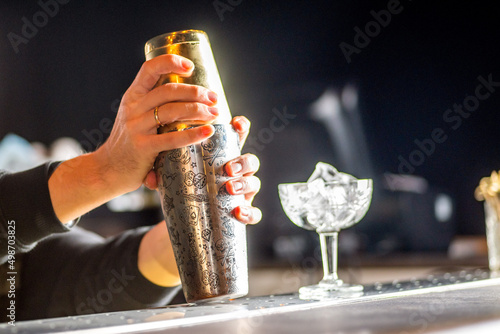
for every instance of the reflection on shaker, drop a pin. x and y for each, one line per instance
(209, 243)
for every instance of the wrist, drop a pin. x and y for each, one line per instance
(78, 186)
(113, 172)
(101, 171)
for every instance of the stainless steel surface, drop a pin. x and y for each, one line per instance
(209, 243)
(430, 304)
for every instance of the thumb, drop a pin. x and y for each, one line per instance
(150, 180)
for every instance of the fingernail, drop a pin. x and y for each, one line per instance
(236, 167)
(245, 125)
(206, 130)
(237, 186)
(214, 111)
(241, 124)
(187, 64)
(212, 97)
(244, 212)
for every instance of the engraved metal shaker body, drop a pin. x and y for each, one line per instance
(209, 244)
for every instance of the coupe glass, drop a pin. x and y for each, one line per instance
(327, 208)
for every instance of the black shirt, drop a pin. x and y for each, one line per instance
(61, 271)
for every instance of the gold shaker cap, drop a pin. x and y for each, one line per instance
(158, 45)
(193, 45)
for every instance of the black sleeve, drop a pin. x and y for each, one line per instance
(26, 209)
(80, 273)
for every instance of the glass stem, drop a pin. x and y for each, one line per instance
(329, 256)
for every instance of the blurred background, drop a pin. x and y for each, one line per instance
(374, 88)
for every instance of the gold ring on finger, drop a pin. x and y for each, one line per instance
(158, 122)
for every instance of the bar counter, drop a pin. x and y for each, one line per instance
(466, 301)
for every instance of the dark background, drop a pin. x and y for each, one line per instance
(271, 55)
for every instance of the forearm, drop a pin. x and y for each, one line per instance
(89, 275)
(122, 163)
(26, 209)
(81, 184)
(156, 260)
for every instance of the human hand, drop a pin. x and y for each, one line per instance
(121, 164)
(245, 183)
(130, 151)
(244, 168)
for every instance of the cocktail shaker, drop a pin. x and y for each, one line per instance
(209, 243)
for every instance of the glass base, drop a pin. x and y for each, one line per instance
(330, 291)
